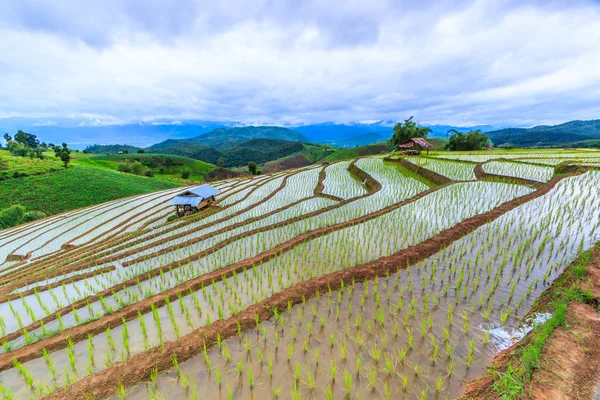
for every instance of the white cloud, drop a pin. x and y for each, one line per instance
(293, 62)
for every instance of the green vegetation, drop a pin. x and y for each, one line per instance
(473, 140)
(74, 188)
(317, 152)
(566, 134)
(406, 130)
(111, 148)
(513, 382)
(222, 138)
(235, 155)
(15, 167)
(160, 166)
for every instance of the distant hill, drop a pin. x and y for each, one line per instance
(564, 135)
(346, 135)
(226, 137)
(110, 148)
(236, 154)
(440, 131)
(357, 134)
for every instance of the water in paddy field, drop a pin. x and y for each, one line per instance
(421, 332)
(491, 276)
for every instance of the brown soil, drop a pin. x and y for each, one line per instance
(373, 149)
(480, 174)
(570, 361)
(592, 283)
(138, 367)
(222, 173)
(424, 172)
(297, 161)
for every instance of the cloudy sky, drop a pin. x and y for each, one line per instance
(290, 61)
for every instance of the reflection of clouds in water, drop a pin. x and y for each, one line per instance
(502, 339)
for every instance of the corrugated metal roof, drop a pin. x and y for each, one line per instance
(194, 196)
(204, 191)
(186, 201)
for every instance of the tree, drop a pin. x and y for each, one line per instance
(405, 131)
(252, 167)
(141, 151)
(473, 140)
(63, 153)
(27, 139)
(451, 132)
(138, 168)
(7, 137)
(185, 173)
(221, 162)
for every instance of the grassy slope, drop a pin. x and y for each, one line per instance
(26, 165)
(74, 188)
(111, 161)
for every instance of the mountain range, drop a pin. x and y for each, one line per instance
(160, 134)
(572, 134)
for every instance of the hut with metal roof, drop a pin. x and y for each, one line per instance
(194, 199)
(415, 145)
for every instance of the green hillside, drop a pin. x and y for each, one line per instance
(222, 138)
(15, 167)
(567, 134)
(162, 166)
(75, 187)
(238, 154)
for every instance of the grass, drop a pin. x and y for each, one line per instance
(25, 166)
(198, 169)
(513, 382)
(75, 187)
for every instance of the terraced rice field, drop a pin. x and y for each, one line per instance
(365, 279)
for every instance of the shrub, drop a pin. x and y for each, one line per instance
(185, 174)
(124, 167)
(33, 215)
(171, 218)
(138, 168)
(12, 216)
(150, 173)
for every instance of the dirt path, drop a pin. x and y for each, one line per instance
(138, 367)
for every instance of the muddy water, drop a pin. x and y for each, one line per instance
(488, 278)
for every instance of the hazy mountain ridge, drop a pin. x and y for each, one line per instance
(568, 133)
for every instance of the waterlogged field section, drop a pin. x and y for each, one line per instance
(354, 279)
